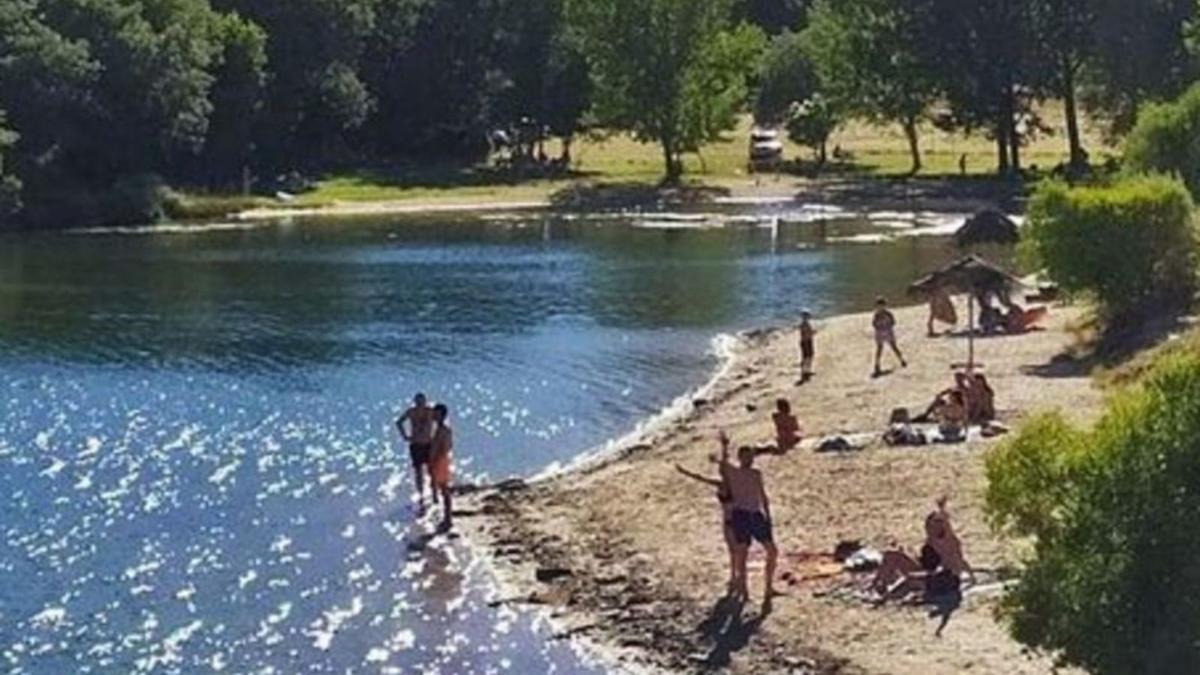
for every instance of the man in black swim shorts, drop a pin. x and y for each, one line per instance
(419, 436)
(751, 518)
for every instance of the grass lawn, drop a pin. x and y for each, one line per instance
(872, 150)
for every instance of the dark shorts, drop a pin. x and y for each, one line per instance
(806, 349)
(751, 526)
(419, 453)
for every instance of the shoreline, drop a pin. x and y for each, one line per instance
(621, 554)
(864, 193)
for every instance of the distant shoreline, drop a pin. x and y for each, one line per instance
(935, 194)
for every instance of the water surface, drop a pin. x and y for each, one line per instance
(197, 464)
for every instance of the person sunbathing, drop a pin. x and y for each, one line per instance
(979, 397)
(787, 427)
(725, 500)
(937, 572)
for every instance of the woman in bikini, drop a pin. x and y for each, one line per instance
(725, 500)
(439, 462)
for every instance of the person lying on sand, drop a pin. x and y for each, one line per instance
(439, 462)
(939, 570)
(725, 500)
(751, 517)
(884, 324)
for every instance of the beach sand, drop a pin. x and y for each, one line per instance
(627, 554)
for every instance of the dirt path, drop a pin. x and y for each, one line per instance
(628, 554)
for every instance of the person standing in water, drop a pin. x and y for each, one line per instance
(419, 436)
(884, 323)
(807, 347)
(751, 518)
(439, 462)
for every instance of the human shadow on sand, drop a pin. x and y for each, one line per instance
(729, 630)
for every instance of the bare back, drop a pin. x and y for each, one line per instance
(420, 421)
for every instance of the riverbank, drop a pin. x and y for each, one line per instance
(627, 553)
(962, 195)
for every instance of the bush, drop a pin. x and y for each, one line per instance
(1113, 582)
(1167, 140)
(1132, 245)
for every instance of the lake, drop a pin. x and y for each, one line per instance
(198, 468)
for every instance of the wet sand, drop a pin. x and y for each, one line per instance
(627, 554)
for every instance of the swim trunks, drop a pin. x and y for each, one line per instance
(751, 526)
(419, 453)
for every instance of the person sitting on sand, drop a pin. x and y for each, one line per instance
(979, 397)
(787, 427)
(725, 499)
(938, 571)
(807, 347)
(884, 323)
(439, 462)
(751, 517)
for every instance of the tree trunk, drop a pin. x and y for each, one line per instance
(1001, 148)
(674, 167)
(1078, 157)
(1006, 141)
(914, 144)
(1014, 142)
(822, 153)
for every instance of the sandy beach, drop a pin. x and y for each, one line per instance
(627, 554)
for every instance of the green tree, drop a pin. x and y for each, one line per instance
(773, 16)
(10, 186)
(315, 99)
(988, 68)
(1111, 585)
(236, 96)
(670, 71)
(786, 77)
(866, 58)
(1164, 140)
(1066, 31)
(811, 122)
(1142, 51)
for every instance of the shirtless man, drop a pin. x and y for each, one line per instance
(751, 516)
(884, 323)
(419, 436)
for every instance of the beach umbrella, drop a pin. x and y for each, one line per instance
(971, 275)
(988, 226)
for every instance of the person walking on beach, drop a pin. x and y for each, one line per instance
(807, 347)
(884, 323)
(751, 517)
(440, 462)
(419, 436)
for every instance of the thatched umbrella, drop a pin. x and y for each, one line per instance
(988, 226)
(971, 275)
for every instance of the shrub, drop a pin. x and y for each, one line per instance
(1167, 140)
(1113, 581)
(1129, 244)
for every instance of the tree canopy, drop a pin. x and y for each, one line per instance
(673, 72)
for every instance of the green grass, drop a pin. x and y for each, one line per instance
(873, 151)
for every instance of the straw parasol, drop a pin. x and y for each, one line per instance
(988, 226)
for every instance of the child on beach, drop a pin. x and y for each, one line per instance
(751, 517)
(884, 323)
(725, 499)
(439, 462)
(807, 348)
(787, 427)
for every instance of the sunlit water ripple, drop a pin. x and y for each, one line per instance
(197, 465)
